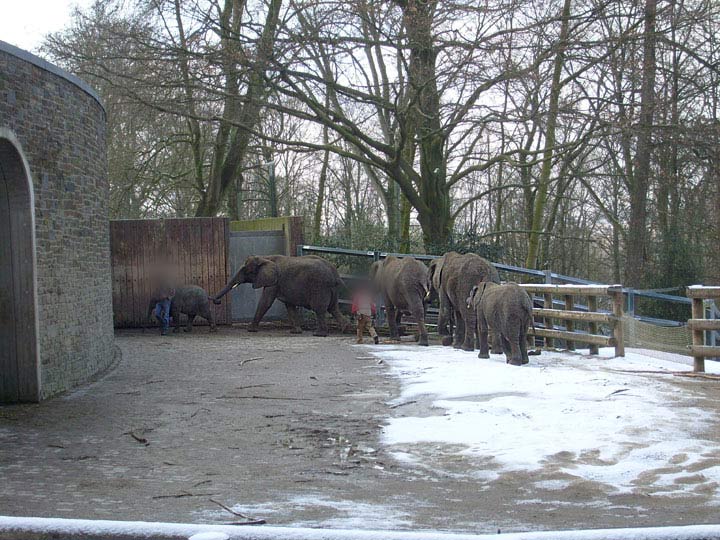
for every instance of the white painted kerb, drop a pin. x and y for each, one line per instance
(29, 528)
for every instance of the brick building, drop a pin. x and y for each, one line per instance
(55, 284)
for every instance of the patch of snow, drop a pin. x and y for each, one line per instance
(209, 536)
(331, 513)
(405, 457)
(586, 416)
(552, 485)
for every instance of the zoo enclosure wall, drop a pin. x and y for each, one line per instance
(59, 125)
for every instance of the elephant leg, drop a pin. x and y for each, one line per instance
(334, 310)
(496, 343)
(398, 322)
(322, 328)
(468, 343)
(506, 349)
(446, 326)
(483, 331)
(293, 317)
(459, 330)
(448, 338)
(392, 313)
(444, 322)
(266, 300)
(514, 341)
(320, 307)
(523, 346)
(175, 316)
(209, 315)
(418, 313)
(188, 325)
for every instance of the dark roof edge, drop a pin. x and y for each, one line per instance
(52, 68)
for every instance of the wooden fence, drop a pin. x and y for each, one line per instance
(699, 325)
(195, 248)
(592, 318)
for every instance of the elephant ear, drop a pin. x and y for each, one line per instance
(375, 269)
(436, 268)
(267, 274)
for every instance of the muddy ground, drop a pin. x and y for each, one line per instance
(282, 427)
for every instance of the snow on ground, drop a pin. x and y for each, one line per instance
(578, 416)
(329, 513)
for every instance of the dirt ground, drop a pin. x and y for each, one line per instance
(282, 427)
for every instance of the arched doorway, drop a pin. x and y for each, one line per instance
(19, 365)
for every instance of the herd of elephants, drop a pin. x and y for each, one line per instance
(475, 308)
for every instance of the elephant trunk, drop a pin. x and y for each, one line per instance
(236, 280)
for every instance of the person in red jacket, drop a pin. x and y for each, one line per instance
(364, 308)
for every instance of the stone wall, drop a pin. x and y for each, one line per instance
(60, 124)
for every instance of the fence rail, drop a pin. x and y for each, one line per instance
(570, 315)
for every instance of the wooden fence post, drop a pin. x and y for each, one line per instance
(618, 333)
(548, 304)
(699, 324)
(698, 335)
(569, 324)
(592, 326)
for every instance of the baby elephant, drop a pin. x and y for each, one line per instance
(506, 310)
(190, 300)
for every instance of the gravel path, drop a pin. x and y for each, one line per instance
(280, 427)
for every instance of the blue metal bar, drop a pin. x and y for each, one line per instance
(338, 251)
(662, 296)
(551, 276)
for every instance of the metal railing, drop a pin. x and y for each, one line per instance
(546, 276)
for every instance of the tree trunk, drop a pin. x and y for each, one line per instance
(434, 214)
(230, 155)
(317, 218)
(272, 191)
(405, 226)
(637, 227)
(538, 212)
(392, 198)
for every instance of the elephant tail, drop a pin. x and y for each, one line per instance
(339, 284)
(529, 310)
(424, 290)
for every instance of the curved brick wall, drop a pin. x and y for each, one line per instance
(60, 124)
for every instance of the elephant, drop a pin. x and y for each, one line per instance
(309, 281)
(451, 277)
(403, 282)
(507, 310)
(189, 300)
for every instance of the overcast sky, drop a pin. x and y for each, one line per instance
(24, 23)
